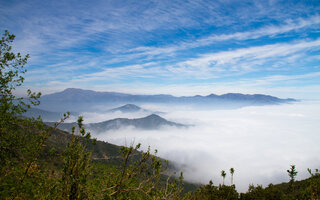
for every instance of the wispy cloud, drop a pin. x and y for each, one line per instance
(243, 60)
(125, 25)
(156, 42)
(297, 25)
(211, 70)
(229, 63)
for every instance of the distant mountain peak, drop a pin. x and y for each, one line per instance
(127, 108)
(72, 89)
(211, 95)
(154, 116)
(130, 106)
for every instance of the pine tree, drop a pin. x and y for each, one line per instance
(292, 174)
(231, 172)
(223, 174)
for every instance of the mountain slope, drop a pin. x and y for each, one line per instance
(104, 155)
(45, 115)
(151, 122)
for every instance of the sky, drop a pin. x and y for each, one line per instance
(176, 47)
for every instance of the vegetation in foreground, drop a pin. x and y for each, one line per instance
(38, 162)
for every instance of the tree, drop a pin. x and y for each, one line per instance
(223, 174)
(231, 172)
(292, 173)
(11, 76)
(76, 167)
(19, 144)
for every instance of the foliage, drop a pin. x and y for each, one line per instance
(305, 189)
(135, 178)
(210, 191)
(11, 76)
(76, 166)
(19, 145)
(314, 189)
(292, 173)
(231, 172)
(223, 174)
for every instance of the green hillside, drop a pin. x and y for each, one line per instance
(101, 151)
(103, 154)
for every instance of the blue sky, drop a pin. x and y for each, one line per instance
(172, 47)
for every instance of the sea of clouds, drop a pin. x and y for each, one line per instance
(259, 142)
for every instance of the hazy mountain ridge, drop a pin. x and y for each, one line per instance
(45, 115)
(78, 99)
(151, 122)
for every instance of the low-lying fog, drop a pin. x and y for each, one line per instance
(260, 143)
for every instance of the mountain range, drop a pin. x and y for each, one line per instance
(79, 100)
(151, 122)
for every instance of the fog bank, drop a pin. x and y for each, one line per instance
(260, 143)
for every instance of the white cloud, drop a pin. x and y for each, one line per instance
(259, 142)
